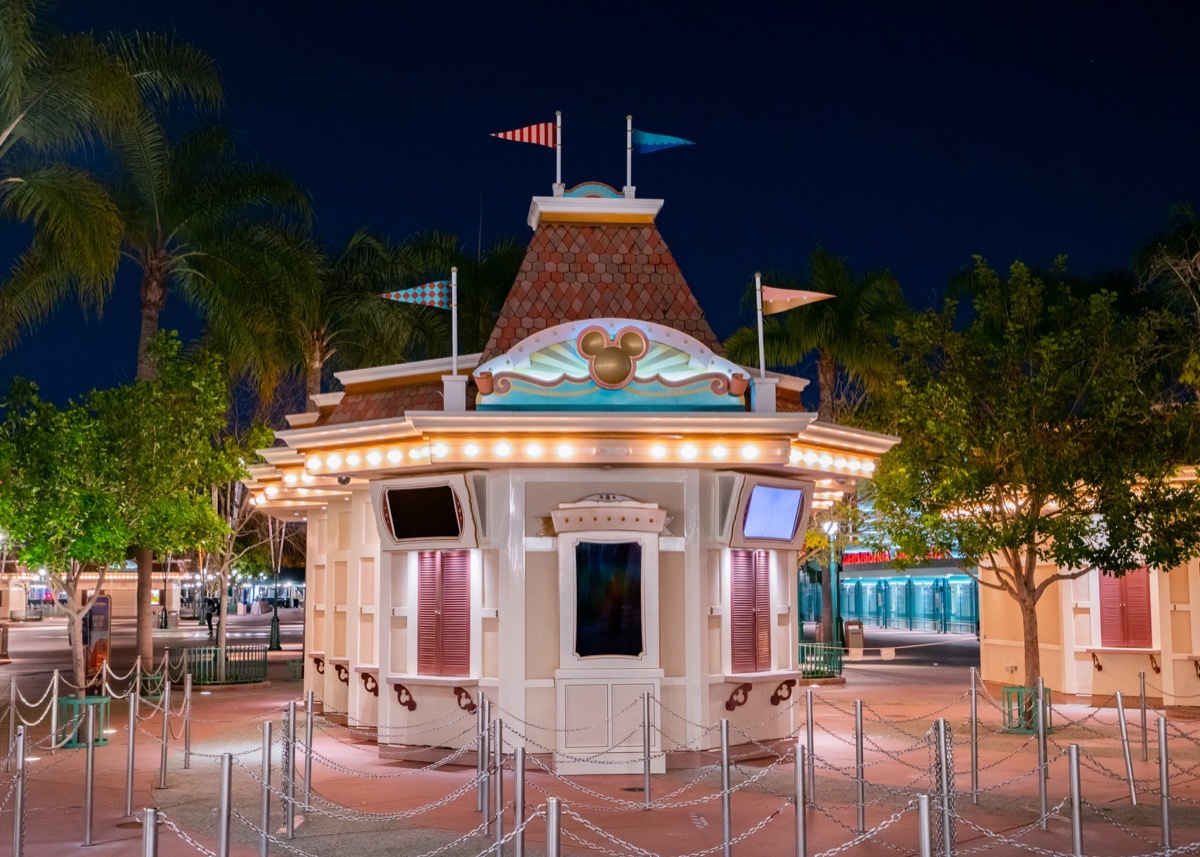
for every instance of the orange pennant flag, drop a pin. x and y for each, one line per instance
(777, 300)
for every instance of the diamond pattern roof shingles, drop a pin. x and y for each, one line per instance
(579, 271)
(387, 404)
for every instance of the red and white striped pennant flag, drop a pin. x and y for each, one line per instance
(541, 134)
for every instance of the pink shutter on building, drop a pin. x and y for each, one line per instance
(428, 632)
(456, 613)
(762, 610)
(741, 621)
(1137, 608)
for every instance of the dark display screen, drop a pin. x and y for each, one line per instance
(431, 512)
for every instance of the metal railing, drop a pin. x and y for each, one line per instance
(817, 660)
(231, 665)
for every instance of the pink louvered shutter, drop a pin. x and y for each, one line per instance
(1137, 608)
(741, 623)
(762, 611)
(456, 613)
(428, 632)
(1112, 627)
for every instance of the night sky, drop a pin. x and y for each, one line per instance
(899, 138)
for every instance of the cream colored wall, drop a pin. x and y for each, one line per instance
(541, 608)
(1002, 640)
(671, 616)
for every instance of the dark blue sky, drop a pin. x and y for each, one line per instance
(899, 137)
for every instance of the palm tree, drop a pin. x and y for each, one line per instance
(1169, 265)
(849, 336)
(58, 94)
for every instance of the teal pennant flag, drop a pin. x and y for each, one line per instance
(644, 143)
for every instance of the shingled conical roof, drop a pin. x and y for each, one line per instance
(596, 258)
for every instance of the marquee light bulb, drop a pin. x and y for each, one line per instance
(658, 451)
(353, 459)
(333, 461)
(471, 450)
(565, 450)
(395, 456)
(749, 452)
(374, 458)
(439, 450)
(719, 452)
(825, 460)
(289, 478)
(416, 452)
(314, 462)
(533, 450)
(307, 478)
(810, 457)
(272, 491)
(503, 449)
(688, 451)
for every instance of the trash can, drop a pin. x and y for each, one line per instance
(72, 723)
(852, 636)
(172, 619)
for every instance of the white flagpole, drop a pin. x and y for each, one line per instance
(558, 185)
(454, 321)
(628, 156)
(762, 351)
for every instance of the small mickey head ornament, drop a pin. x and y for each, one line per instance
(612, 362)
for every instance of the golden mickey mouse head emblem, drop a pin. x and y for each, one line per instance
(611, 364)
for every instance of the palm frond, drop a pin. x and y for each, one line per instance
(167, 71)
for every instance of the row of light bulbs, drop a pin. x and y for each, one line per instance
(827, 461)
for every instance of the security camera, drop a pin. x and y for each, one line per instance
(343, 480)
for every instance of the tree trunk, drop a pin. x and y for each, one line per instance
(826, 635)
(826, 381)
(1033, 654)
(145, 626)
(78, 658)
(312, 383)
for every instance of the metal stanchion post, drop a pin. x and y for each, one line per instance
(646, 750)
(224, 812)
(974, 740)
(479, 721)
(1040, 720)
(1125, 748)
(187, 721)
(166, 734)
(149, 832)
(801, 804)
(519, 801)
(129, 752)
(54, 713)
(1164, 783)
(499, 763)
(924, 829)
(1142, 690)
(264, 843)
(289, 782)
(485, 781)
(860, 786)
(552, 827)
(13, 717)
(309, 702)
(89, 772)
(943, 752)
(726, 810)
(812, 765)
(18, 832)
(1076, 801)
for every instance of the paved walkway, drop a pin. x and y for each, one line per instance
(423, 810)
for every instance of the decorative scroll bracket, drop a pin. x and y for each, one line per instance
(740, 695)
(1154, 664)
(343, 673)
(463, 697)
(1096, 663)
(405, 697)
(784, 691)
(370, 683)
(320, 665)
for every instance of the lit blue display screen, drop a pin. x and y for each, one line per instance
(773, 513)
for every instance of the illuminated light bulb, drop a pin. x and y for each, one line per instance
(565, 450)
(307, 478)
(303, 492)
(416, 452)
(749, 452)
(374, 458)
(810, 457)
(658, 451)
(719, 453)
(868, 467)
(533, 450)
(253, 500)
(289, 478)
(333, 461)
(314, 462)
(471, 450)
(825, 460)
(272, 491)
(855, 464)
(503, 449)
(839, 463)
(353, 459)
(395, 456)
(688, 451)
(439, 450)
(794, 457)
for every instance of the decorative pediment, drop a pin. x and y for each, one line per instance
(610, 364)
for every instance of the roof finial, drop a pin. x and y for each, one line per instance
(559, 187)
(630, 190)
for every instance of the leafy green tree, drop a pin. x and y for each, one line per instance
(849, 335)
(59, 93)
(1170, 265)
(1040, 441)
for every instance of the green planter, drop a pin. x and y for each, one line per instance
(72, 721)
(1019, 705)
(817, 660)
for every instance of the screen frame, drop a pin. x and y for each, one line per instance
(457, 482)
(738, 538)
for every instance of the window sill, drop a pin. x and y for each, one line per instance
(1120, 650)
(743, 678)
(433, 680)
(366, 668)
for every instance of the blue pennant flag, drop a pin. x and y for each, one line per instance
(644, 143)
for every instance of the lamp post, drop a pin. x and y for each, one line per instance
(831, 530)
(276, 644)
